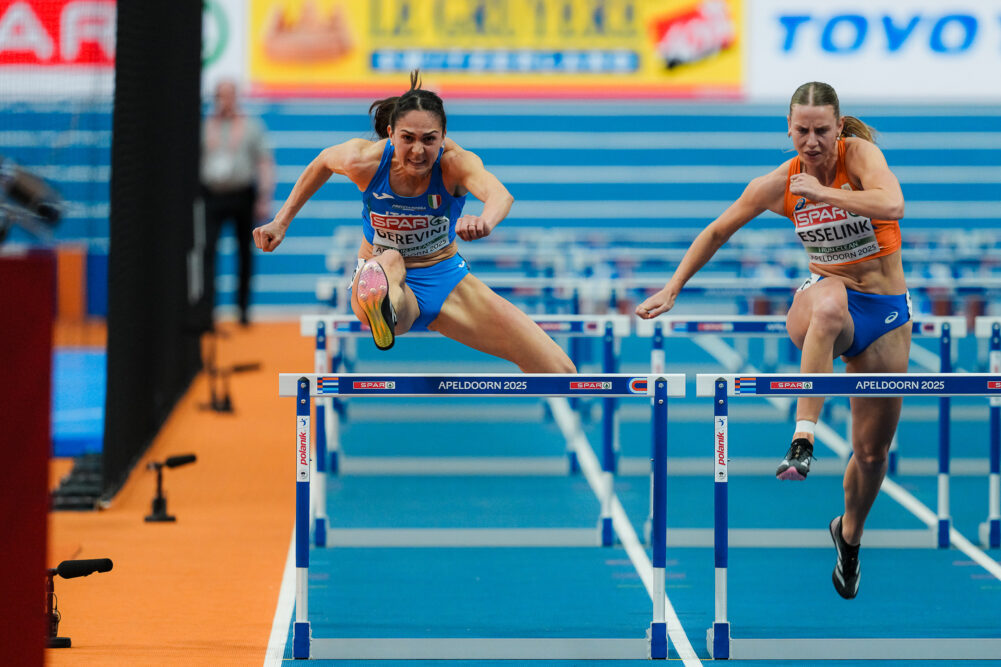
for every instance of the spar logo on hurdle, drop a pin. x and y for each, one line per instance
(791, 385)
(993, 384)
(589, 384)
(374, 384)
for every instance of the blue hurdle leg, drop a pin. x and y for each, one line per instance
(301, 630)
(609, 444)
(944, 519)
(718, 636)
(658, 627)
(992, 529)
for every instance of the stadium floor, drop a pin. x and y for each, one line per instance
(206, 590)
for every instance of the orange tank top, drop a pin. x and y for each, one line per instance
(832, 235)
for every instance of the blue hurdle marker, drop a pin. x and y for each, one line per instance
(620, 385)
(990, 531)
(718, 638)
(328, 330)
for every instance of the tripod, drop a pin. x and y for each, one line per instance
(220, 400)
(52, 614)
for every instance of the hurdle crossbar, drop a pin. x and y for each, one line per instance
(306, 387)
(720, 643)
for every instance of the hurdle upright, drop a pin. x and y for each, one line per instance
(720, 643)
(310, 386)
(990, 530)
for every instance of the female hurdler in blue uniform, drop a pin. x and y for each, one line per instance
(410, 276)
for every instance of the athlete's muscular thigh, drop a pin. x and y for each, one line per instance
(874, 420)
(825, 303)
(475, 315)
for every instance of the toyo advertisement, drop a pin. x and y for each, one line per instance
(886, 50)
(497, 47)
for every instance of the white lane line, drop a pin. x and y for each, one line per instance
(283, 611)
(567, 422)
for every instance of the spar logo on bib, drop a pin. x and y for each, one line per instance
(805, 217)
(400, 223)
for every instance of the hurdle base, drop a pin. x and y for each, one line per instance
(718, 641)
(944, 526)
(376, 648)
(320, 532)
(990, 534)
(606, 533)
(847, 648)
(657, 635)
(302, 641)
(59, 642)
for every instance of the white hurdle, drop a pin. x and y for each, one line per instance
(720, 643)
(329, 332)
(311, 386)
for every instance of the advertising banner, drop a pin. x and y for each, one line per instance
(56, 48)
(878, 50)
(680, 48)
(224, 42)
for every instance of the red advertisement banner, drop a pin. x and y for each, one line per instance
(57, 33)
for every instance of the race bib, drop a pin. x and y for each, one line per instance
(412, 235)
(832, 235)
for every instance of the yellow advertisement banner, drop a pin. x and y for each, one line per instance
(535, 47)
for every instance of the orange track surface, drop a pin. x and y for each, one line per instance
(201, 591)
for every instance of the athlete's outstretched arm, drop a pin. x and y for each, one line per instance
(340, 159)
(466, 169)
(761, 194)
(880, 196)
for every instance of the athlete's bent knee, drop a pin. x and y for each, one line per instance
(828, 316)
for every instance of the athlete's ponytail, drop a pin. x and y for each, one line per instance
(853, 127)
(385, 112)
(817, 94)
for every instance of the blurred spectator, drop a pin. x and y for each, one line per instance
(237, 177)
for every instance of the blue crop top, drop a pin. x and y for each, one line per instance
(415, 226)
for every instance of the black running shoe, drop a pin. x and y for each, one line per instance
(796, 464)
(847, 571)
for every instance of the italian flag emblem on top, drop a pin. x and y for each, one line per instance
(434, 201)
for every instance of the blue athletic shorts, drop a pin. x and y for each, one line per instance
(873, 315)
(432, 285)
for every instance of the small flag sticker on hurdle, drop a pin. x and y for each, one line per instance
(745, 385)
(326, 385)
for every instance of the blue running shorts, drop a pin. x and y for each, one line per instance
(873, 315)
(432, 285)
